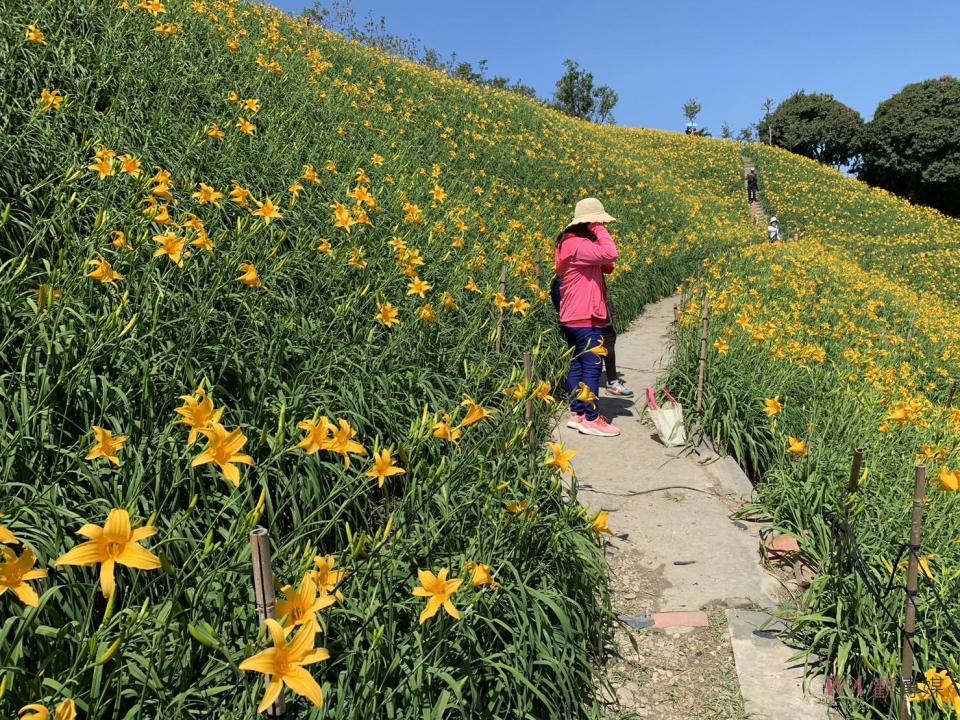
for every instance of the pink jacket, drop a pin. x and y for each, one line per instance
(580, 263)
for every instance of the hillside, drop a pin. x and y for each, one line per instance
(214, 216)
(849, 338)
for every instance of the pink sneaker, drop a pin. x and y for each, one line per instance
(575, 421)
(599, 427)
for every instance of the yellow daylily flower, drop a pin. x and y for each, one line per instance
(384, 466)
(16, 572)
(481, 575)
(560, 457)
(772, 406)
(106, 445)
(223, 449)
(300, 606)
(285, 664)
(440, 591)
(197, 412)
(475, 412)
(599, 524)
(115, 543)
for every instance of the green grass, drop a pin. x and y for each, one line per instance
(307, 345)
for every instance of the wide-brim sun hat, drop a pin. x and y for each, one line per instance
(590, 210)
(773, 220)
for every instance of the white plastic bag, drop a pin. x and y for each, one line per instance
(667, 420)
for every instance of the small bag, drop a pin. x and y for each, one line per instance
(667, 420)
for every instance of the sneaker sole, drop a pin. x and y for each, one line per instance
(598, 433)
(574, 425)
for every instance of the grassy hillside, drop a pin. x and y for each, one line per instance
(210, 208)
(848, 338)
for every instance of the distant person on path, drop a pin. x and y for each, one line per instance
(583, 249)
(773, 230)
(752, 186)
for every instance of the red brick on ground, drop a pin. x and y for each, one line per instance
(680, 619)
(782, 544)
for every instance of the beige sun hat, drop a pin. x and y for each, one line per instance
(590, 210)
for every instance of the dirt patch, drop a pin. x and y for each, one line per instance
(682, 674)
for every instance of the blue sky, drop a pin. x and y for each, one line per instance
(727, 55)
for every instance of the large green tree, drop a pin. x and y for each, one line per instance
(577, 95)
(817, 126)
(913, 144)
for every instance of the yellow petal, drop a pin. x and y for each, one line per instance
(118, 524)
(107, 581)
(138, 557)
(272, 693)
(85, 554)
(433, 605)
(26, 594)
(263, 662)
(302, 683)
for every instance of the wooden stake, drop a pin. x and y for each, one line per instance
(953, 391)
(910, 615)
(676, 314)
(531, 431)
(852, 485)
(498, 340)
(263, 591)
(704, 337)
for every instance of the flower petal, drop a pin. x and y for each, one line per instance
(107, 582)
(85, 554)
(263, 662)
(138, 557)
(272, 693)
(302, 683)
(118, 525)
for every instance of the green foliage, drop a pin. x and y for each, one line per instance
(691, 109)
(576, 95)
(816, 126)
(913, 144)
(491, 176)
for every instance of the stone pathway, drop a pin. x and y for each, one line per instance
(756, 211)
(680, 561)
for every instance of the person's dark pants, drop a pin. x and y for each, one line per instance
(585, 368)
(610, 361)
(751, 194)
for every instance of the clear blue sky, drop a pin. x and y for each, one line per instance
(727, 55)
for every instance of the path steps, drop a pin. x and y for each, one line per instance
(756, 211)
(672, 508)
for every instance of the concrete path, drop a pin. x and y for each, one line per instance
(756, 211)
(672, 509)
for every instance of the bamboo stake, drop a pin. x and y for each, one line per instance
(704, 332)
(910, 615)
(852, 485)
(263, 591)
(498, 342)
(531, 431)
(953, 391)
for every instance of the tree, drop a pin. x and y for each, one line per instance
(747, 134)
(606, 99)
(576, 95)
(691, 109)
(726, 131)
(913, 144)
(816, 126)
(767, 109)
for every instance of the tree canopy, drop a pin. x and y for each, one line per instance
(576, 95)
(815, 125)
(913, 144)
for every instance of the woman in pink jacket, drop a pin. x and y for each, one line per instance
(583, 249)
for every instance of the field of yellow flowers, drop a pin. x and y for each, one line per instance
(250, 274)
(848, 338)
